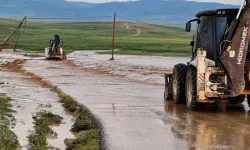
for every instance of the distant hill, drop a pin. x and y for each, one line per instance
(174, 12)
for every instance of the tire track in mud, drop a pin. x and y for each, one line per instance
(80, 112)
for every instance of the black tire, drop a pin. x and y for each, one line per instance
(191, 89)
(167, 94)
(178, 83)
(64, 55)
(236, 100)
(248, 100)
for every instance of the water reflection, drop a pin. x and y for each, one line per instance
(217, 128)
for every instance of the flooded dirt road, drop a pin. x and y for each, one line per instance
(134, 114)
(28, 98)
(147, 69)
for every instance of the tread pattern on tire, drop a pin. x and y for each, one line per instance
(194, 104)
(248, 100)
(181, 70)
(236, 100)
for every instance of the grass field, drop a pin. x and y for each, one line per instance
(131, 38)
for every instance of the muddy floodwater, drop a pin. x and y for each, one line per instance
(134, 114)
(29, 97)
(148, 69)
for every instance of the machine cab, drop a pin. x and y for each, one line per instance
(51, 43)
(212, 26)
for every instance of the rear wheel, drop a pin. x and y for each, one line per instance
(64, 55)
(236, 100)
(178, 83)
(191, 89)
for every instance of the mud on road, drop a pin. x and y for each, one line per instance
(29, 97)
(126, 95)
(45, 117)
(146, 69)
(134, 114)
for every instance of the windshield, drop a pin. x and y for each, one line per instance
(222, 24)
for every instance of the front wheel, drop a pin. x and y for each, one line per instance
(178, 83)
(191, 89)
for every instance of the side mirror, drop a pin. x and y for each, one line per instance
(188, 27)
(191, 43)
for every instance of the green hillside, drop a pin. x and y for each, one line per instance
(131, 38)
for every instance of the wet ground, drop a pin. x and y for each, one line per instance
(28, 98)
(147, 69)
(8, 55)
(134, 114)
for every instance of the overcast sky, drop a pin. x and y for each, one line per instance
(100, 1)
(237, 2)
(220, 1)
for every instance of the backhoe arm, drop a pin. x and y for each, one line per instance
(234, 53)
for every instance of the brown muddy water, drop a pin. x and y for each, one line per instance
(29, 97)
(134, 115)
(147, 69)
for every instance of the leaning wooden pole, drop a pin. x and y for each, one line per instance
(18, 34)
(113, 40)
(9, 37)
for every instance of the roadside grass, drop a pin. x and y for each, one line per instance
(86, 141)
(86, 128)
(69, 104)
(146, 53)
(131, 38)
(38, 138)
(87, 137)
(86, 133)
(8, 139)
